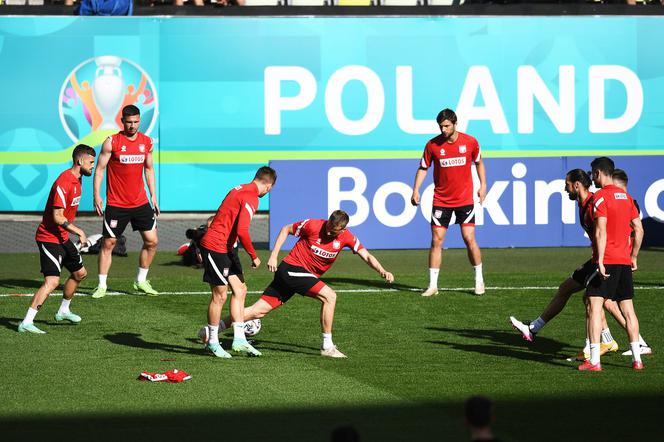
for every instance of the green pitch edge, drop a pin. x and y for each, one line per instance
(56, 157)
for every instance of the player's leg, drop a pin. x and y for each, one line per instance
(77, 273)
(240, 343)
(474, 255)
(115, 221)
(613, 308)
(49, 285)
(595, 329)
(217, 299)
(632, 327)
(143, 219)
(328, 299)
(440, 220)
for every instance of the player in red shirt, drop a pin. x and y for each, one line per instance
(615, 217)
(127, 156)
(221, 261)
(55, 247)
(300, 271)
(452, 154)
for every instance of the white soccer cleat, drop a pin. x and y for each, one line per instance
(204, 335)
(332, 352)
(479, 288)
(430, 291)
(645, 350)
(523, 328)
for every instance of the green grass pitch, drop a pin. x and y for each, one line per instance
(412, 360)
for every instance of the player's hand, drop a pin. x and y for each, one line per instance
(272, 264)
(256, 262)
(387, 276)
(99, 205)
(155, 206)
(481, 193)
(415, 199)
(634, 266)
(602, 271)
(82, 239)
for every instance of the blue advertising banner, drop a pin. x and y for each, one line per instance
(526, 203)
(224, 95)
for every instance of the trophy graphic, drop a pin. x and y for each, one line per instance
(107, 89)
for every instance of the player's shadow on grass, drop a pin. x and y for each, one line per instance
(503, 343)
(12, 323)
(274, 346)
(20, 283)
(136, 341)
(372, 283)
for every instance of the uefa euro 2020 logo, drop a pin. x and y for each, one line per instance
(93, 95)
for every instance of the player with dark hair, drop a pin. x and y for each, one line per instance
(452, 154)
(478, 412)
(320, 242)
(222, 263)
(55, 247)
(128, 156)
(615, 217)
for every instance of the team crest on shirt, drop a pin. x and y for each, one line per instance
(462, 149)
(226, 272)
(141, 147)
(442, 152)
(336, 244)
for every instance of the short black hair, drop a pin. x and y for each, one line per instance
(579, 175)
(266, 173)
(446, 114)
(82, 150)
(479, 410)
(339, 218)
(130, 110)
(604, 165)
(345, 434)
(620, 175)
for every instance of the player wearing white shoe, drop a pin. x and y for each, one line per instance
(320, 242)
(55, 248)
(452, 153)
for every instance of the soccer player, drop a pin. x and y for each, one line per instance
(615, 217)
(55, 247)
(128, 156)
(451, 154)
(222, 263)
(319, 244)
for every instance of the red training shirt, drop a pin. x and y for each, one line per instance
(315, 251)
(124, 183)
(587, 222)
(617, 206)
(452, 175)
(231, 222)
(65, 194)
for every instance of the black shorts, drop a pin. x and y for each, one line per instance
(219, 266)
(587, 272)
(619, 286)
(53, 257)
(441, 216)
(142, 218)
(290, 279)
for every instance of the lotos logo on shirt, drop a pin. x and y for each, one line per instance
(323, 253)
(132, 159)
(620, 196)
(453, 162)
(76, 201)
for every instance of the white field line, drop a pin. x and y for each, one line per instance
(376, 290)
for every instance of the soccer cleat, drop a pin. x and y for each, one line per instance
(216, 350)
(204, 334)
(645, 350)
(29, 328)
(479, 288)
(245, 347)
(582, 356)
(69, 316)
(587, 366)
(332, 352)
(99, 292)
(146, 288)
(430, 291)
(609, 347)
(523, 327)
(637, 365)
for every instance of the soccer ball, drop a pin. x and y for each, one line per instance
(251, 328)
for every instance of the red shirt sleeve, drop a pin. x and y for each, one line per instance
(425, 162)
(353, 242)
(60, 195)
(477, 152)
(246, 214)
(301, 227)
(600, 207)
(150, 143)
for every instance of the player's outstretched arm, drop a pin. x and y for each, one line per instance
(62, 221)
(638, 239)
(278, 243)
(104, 156)
(374, 264)
(150, 178)
(481, 174)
